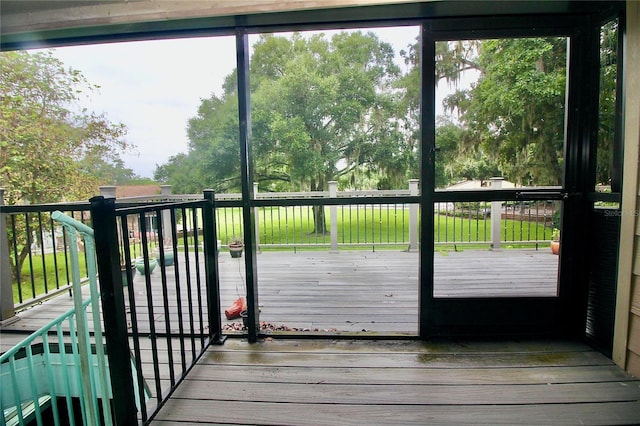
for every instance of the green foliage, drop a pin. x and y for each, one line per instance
(54, 277)
(182, 171)
(514, 114)
(454, 163)
(51, 150)
(339, 109)
(322, 109)
(48, 144)
(108, 169)
(607, 121)
(236, 240)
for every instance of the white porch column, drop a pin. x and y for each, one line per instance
(333, 217)
(108, 191)
(7, 310)
(166, 217)
(413, 215)
(256, 218)
(496, 215)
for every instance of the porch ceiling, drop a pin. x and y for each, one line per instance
(29, 15)
(27, 23)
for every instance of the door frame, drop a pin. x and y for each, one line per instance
(565, 314)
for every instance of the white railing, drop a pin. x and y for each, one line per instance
(374, 225)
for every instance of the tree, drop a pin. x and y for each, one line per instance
(47, 142)
(325, 108)
(512, 119)
(452, 60)
(107, 168)
(321, 110)
(46, 136)
(515, 111)
(182, 172)
(608, 80)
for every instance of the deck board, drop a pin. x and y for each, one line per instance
(324, 381)
(346, 292)
(355, 292)
(410, 394)
(388, 382)
(242, 412)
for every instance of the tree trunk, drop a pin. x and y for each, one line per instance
(319, 220)
(16, 269)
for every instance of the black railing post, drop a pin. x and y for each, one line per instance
(248, 210)
(579, 176)
(113, 309)
(211, 268)
(426, 324)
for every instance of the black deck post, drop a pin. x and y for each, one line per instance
(113, 309)
(211, 269)
(427, 178)
(248, 211)
(579, 177)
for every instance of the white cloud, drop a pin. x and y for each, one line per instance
(154, 87)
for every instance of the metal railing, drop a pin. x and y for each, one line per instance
(158, 327)
(164, 305)
(354, 219)
(37, 251)
(170, 318)
(64, 360)
(518, 223)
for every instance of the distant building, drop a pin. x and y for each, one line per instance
(477, 184)
(125, 191)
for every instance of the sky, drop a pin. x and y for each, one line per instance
(154, 87)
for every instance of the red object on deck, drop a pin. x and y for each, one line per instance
(236, 307)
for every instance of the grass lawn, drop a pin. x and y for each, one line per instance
(370, 225)
(42, 275)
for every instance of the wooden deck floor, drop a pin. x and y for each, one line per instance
(347, 292)
(377, 292)
(325, 382)
(281, 381)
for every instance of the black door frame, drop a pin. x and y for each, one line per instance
(564, 315)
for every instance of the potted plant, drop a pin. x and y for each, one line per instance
(236, 246)
(124, 268)
(140, 265)
(555, 241)
(168, 255)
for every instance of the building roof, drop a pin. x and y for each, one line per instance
(124, 191)
(479, 184)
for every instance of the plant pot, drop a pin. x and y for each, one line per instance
(245, 318)
(168, 258)
(555, 247)
(140, 265)
(123, 271)
(236, 251)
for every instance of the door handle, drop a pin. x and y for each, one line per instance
(542, 195)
